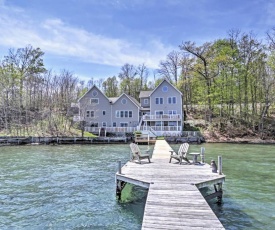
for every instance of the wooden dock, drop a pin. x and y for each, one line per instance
(174, 200)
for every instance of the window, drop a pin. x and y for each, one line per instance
(146, 101)
(123, 124)
(123, 101)
(94, 101)
(159, 100)
(172, 123)
(159, 112)
(172, 100)
(94, 93)
(90, 113)
(114, 124)
(124, 113)
(159, 123)
(94, 124)
(164, 88)
(104, 124)
(172, 112)
(103, 112)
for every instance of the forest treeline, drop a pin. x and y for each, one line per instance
(228, 82)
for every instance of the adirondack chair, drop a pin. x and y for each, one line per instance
(181, 154)
(136, 153)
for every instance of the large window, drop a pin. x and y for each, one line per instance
(114, 124)
(94, 100)
(172, 100)
(124, 113)
(159, 100)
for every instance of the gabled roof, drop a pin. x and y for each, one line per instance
(168, 83)
(130, 98)
(134, 100)
(113, 99)
(94, 86)
(145, 94)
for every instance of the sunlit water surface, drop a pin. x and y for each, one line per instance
(73, 187)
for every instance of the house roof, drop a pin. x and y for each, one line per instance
(145, 94)
(130, 98)
(94, 86)
(134, 100)
(169, 84)
(113, 99)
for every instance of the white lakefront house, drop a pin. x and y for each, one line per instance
(159, 111)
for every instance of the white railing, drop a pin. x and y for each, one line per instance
(162, 117)
(161, 128)
(111, 129)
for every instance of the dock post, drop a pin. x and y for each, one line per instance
(202, 154)
(220, 165)
(119, 167)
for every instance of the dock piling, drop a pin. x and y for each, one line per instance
(202, 154)
(220, 165)
(119, 167)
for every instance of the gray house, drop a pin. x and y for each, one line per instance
(159, 111)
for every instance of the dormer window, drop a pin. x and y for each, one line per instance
(165, 89)
(123, 101)
(94, 93)
(146, 101)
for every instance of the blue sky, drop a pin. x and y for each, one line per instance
(94, 38)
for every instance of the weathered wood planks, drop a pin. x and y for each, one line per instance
(173, 201)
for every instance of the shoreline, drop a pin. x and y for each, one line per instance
(241, 141)
(11, 141)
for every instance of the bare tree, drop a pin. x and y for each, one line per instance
(170, 68)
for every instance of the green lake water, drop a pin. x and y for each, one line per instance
(73, 187)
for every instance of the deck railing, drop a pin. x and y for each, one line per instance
(111, 129)
(167, 117)
(161, 128)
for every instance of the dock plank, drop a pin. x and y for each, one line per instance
(174, 200)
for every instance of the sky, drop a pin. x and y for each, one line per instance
(95, 38)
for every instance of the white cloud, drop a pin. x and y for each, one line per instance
(58, 38)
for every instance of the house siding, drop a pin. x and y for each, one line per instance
(129, 106)
(142, 102)
(104, 105)
(165, 107)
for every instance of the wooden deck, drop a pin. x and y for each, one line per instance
(173, 201)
